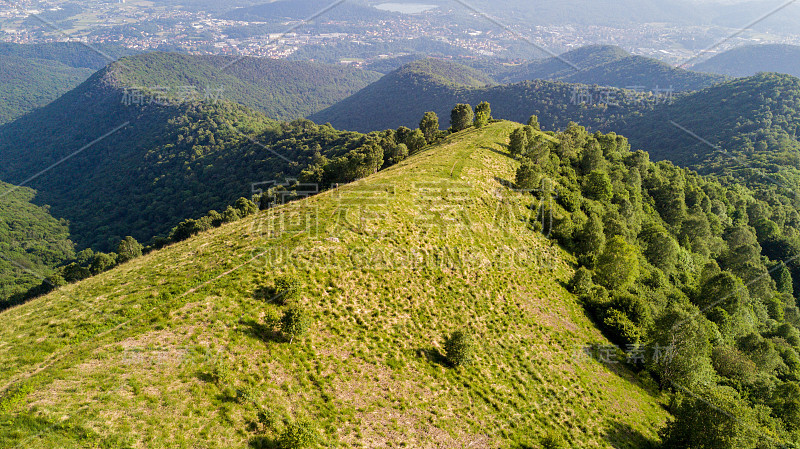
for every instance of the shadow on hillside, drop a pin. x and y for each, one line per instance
(505, 182)
(623, 436)
(261, 331)
(434, 356)
(503, 153)
(262, 442)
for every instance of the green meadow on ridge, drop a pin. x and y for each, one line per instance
(174, 348)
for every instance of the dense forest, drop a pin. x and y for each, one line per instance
(283, 90)
(174, 144)
(681, 272)
(33, 75)
(745, 129)
(32, 242)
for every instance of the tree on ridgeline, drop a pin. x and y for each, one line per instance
(429, 126)
(461, 117)
(518, 142)
(483, 114)
(534, 123)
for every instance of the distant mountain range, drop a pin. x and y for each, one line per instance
(750, 59)
(608, 65)
(619, 13)
(403, 96)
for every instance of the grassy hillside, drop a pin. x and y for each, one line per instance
(607, 65)
(748, 60)
(31, 241)
(172, 349)
(403, 96)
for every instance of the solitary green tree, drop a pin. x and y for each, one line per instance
(128, 249)
(297, 436)
(461, 117)
(245, 207)
(294, 322)
(460, 348)
(483, 113)
(429, 126)
(287, 289)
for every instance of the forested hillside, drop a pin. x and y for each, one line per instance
(403, 96)
(32, 242)
(33, 75)
(174, 156)
(748, 60)
(745, 122)
(671, 259)
(71, 54)
(607, 65)
(283, 90)
(26, 84)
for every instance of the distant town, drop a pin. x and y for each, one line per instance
(143, 25)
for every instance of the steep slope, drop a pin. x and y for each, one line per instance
(32, 242)
(403, 96)
(26, 84)
(748, 60)
(611, 66)
(138, 158)
(172, 350)
(33, 75)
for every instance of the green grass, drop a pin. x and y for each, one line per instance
(159, 352)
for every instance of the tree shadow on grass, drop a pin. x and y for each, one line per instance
(623, 436)
(502, 153)
(434, 356)
(505, 182)
(263, 442)
(261, 331)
